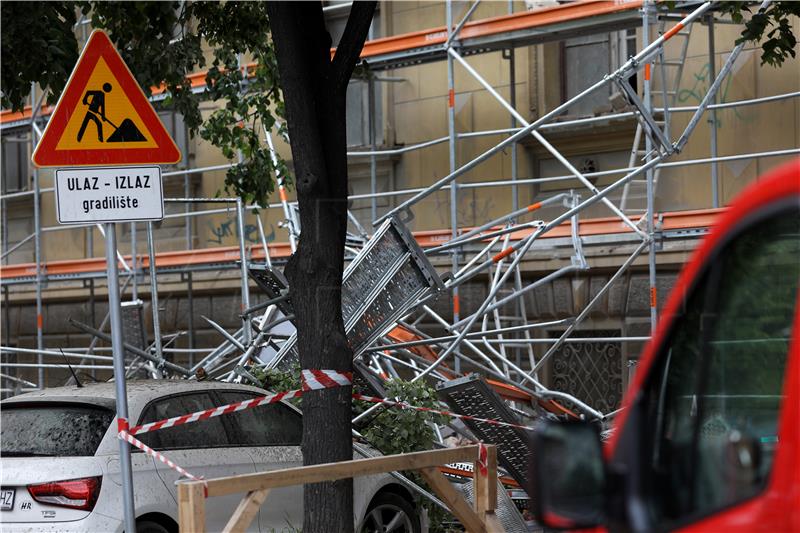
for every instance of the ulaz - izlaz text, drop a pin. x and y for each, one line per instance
(93, 183)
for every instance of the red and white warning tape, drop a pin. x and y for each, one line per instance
(214, 411)
(483, 458)
(312, 380)
(124, 435)
(325, 379)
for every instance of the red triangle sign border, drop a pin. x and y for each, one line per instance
(100, 46)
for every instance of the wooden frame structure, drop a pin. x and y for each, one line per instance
(477, 519)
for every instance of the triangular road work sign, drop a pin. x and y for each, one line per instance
(103, 117)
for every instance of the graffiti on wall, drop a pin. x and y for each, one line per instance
(229, 228)
(699, 83)
(471, 209)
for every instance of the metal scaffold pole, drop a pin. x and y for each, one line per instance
(650, 213)
(117, 342)
(154, 291)
(187, 229)
(712, 117)
(451, 128)
(37, 223)
(246, 331)
(134, 264)
(512, 91)
(284, 199)
(373, 164)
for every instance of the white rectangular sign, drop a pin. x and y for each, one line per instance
(122, 194)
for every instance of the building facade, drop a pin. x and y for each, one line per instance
(405, 101)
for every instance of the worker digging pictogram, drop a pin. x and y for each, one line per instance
(96, 113)
(103, 118)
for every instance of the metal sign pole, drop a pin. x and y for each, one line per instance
(118, 351)
(123, 185)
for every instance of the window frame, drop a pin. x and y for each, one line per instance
(232, 431)
(216, 400)
(212, 397)
(81, 404)
(21, 175)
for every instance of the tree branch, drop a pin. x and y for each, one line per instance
(349, 49)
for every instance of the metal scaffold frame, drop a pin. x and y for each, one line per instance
(498, 345)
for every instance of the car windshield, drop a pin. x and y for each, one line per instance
(59, 430)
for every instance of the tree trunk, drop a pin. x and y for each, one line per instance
(314, 90)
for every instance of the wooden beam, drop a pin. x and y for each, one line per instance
(454, 500)
(246, 511)
(485, 500)
(192, 494)
(493, 523)
(332, 471)
(191, 507)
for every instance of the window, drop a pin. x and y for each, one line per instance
(589, 371)
(53, 430)
(15, 163)
(584, 62)
(18, 226)
(358, 113)
(358, 93)
(625, 49)
(209, 433)
(269, 425)
(714, 424)
(175, 126)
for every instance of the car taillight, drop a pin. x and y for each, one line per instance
(73, 493)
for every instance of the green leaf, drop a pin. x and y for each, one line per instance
(772, 28)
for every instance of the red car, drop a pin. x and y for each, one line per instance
(709, 435)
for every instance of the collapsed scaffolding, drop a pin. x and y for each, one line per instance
(390, 283)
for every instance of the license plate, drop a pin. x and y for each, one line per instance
(7, 499)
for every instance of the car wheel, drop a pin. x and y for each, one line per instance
(148, 526)
(389, 513)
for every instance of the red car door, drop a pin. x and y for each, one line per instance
(709, 439)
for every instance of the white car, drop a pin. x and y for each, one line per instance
(59, 469)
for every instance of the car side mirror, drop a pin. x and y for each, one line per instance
(567, 475)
